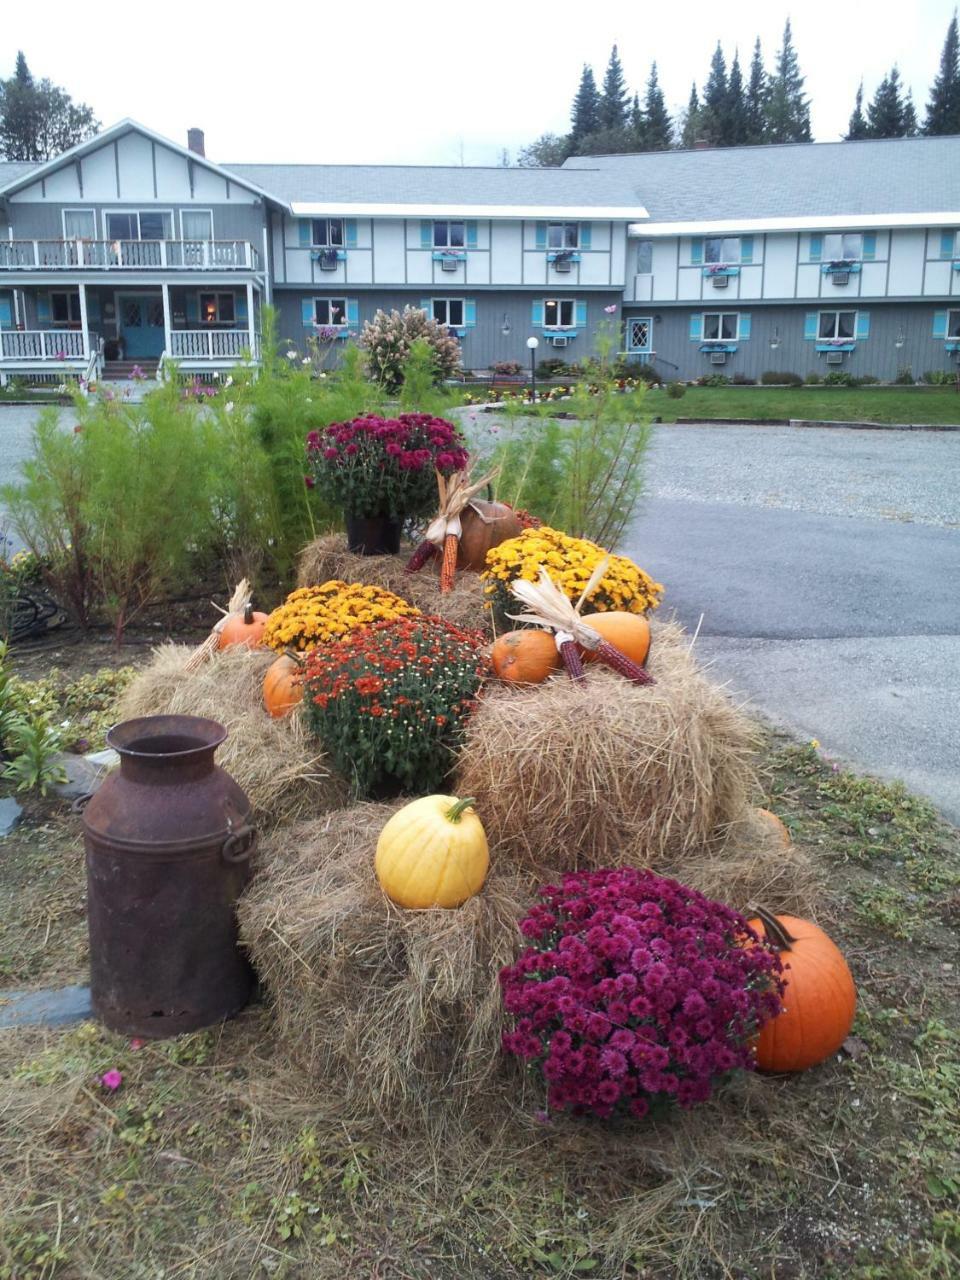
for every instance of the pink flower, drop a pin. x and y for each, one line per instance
(611, 309)
(111, 1079)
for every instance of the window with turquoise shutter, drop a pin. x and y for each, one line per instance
(350, 228)
(863, 325)
(744, 332)
(541, 235)
(816, 248)
(353, 312)
(746, 249)
(536, 317)
(586, 234)
(306, 313)
(471, 235)
(426, 233)
(948, 243)
(581, 312)
(940, 325)
(696, 328)
(869, 251)
(304, 231)
(811, 323)
(696, 251)
(470, 313)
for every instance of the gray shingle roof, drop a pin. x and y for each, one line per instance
(11, 170)
(894, 175)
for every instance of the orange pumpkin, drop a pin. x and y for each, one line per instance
(819, 1001)
(282, 688)
(243, 628)
(484, 525)
(628, 632)
(776, 825)
(525, 657)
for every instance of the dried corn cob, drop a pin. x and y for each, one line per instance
(423, 553)
(450, 544)
(570, 653)
(614, 658)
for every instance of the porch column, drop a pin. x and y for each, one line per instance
(83, 322)
(250, 320)
(165, 289)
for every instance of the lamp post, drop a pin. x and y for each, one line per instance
(532, 344)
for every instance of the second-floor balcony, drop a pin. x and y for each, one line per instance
(128, 255)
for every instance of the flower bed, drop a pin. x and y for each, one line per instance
(318, 615)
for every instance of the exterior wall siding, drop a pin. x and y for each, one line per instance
(44, 221)
(878, 355)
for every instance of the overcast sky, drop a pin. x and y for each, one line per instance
(397, 83)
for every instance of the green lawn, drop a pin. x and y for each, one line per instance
(836, 404)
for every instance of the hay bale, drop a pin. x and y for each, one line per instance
(603, 772)
(282, 771)
(399, 1011)
(327, 558)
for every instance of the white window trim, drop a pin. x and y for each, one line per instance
(843, 257)
(638, 271)
(183, 235)
(63, 222)
(723, 262)
(648, 321)
(953, 337)
(448, 323)
(563, 247)
(217, 294)
(68, 294)
(837, 314)
(720, 315)
(315, 244)
(138, 210)
(573, 314)
(328, 324)
(453, 248)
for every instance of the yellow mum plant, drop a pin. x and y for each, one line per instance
(317, 615)
(570, 562)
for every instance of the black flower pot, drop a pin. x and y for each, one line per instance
(373, 535)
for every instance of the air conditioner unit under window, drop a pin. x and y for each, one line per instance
(559, 340)
(328, 260)
(718, 357)
(449, 264)
(840, 277)
(834, 357)
(720, 282)
(563, 264)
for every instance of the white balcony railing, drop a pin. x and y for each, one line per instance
(41, 344)
(212, 344)
(128, 255)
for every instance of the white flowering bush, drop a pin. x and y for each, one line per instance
(387, 338)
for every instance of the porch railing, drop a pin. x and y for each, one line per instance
(41, 344)
(126, 255)
(212, 344)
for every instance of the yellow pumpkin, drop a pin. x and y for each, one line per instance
(432, 853)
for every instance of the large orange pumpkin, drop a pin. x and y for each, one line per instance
(484, 525)
(819, 1002)
(243, 628)
(525, 657)
(776, 825)
(628, 632)
(282, 688)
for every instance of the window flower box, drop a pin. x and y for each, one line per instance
(720, 269)
(836, 344)
(840, 266)
(711, 345)
(455, 256)
(562, 255)
(329, 259)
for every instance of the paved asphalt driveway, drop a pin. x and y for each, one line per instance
(826, 567)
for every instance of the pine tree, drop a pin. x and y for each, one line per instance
(638, 126)
(714, 111)
(690, 130)
(614, 98)
(787, 110)
(658, 127)
(889, 115)
(910, 126)
(943, 109)
(736, 112)
(858, 127)
(585, 116)
(38, 119)
(756, 97)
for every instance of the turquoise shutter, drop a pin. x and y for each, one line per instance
(744, 331)
(816, 248)
(43, 308)
(869, 250)
(586, 231)
(580, 311)
(947, 241)
(353, 313)
(350, 233)
(240, 307)
(863, 324)
(426, 233)
(471, 235)
(746, 248)
(6, 311)
(305, 229)
(307, 313)
(940, 325)
(811, 324)
(536, 318)
(192, 307)
(469, 313)
(696, 328)
(541, 235)
(426, 304)
(696, 251)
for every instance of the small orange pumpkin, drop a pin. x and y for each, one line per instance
(776, 825)
(244, 628)
(484, 525)
(819, 1002)
(282, 687)
(628, 632)
(525, 657)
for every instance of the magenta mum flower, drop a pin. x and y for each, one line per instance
(111, 1080)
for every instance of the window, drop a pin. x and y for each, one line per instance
(196, 224)
(645, 257)
(726, 249)
(720, 326)
(79, 224)
(449, 235)
(558, 313)
(953, 325)
(217, 308)
(842, 248)
(563, 235)
(949, 244)
(65, 308)
(330, 311)
(837, 325)
(448, 311)
(144, 224)
(327, 233)
(639, 331)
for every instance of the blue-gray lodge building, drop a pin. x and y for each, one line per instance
(792, 258)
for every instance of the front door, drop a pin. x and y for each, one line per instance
(640, 335)
(141, 325)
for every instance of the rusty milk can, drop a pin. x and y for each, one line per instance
(168, 841)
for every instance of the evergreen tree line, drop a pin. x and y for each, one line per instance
(740, 110)
(38, 119)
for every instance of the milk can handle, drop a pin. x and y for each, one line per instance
(239, 846)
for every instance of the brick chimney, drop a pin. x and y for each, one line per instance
(195, 141)
(701, 144)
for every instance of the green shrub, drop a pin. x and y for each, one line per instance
(741, 380)
(904, 377)
(774, 378)
(813, 379)
(387, 338)
(676, 390)
(554, 367)
(646, 373)
(713, 380)
(840, 378)
(507, 369)
(870, 380)
(940, 377)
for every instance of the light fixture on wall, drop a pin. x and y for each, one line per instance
(900, 338)
(775, 340)
(505, 325)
